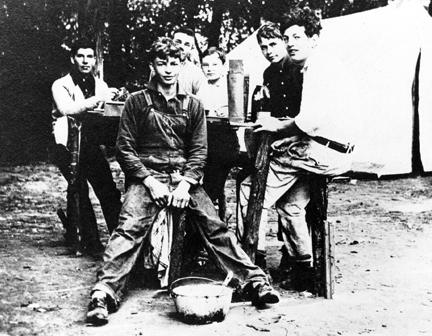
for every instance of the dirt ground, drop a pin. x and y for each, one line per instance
(383, 268)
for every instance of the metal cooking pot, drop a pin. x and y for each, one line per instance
(201, 300)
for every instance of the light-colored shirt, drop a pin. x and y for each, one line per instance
(327, 101)
(214, 97)
(191, 78)
(69, 99)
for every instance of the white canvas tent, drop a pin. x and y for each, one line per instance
(377, 51)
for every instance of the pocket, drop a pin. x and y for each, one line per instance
(178, 124)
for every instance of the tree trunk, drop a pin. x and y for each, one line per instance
(91, 26)
(116, 62)
(256, 14)
(214, 28)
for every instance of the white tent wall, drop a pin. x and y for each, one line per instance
(380, 48)
(376, 52)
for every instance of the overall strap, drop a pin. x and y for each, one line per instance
(147, 97)
(185, 105)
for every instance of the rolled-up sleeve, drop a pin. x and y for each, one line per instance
(126, 144)
(197, 146)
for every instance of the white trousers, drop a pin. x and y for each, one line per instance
(288, 189)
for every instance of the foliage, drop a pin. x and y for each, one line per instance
(35, 35)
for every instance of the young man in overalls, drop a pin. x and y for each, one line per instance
(162, 148)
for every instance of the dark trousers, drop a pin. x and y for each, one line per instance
(223, 155)
(93, 168)
(136, 217)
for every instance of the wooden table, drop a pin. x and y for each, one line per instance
(316, 217)
(321, 229)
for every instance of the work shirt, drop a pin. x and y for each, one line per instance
(284, 81)
(164, 136)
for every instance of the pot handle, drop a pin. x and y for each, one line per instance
(228, 278)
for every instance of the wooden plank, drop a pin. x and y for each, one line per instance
(176, 256)
(330, 256)
(316, 216)
(256, 197)
(74, 185)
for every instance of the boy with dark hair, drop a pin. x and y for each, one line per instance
(162, 148)
(73, 95)
(282, 81)
(302, 17)
(281, 94)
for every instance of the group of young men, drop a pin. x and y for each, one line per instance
(162, 150)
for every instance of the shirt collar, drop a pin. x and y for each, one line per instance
(152, 85)
(308, 62)
(282, 64)
(221, 81)
(285, 61)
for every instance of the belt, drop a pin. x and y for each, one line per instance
(337, 146)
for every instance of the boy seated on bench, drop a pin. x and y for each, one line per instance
(309, 139)
(162, 148)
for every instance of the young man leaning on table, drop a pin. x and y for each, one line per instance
(314, 139)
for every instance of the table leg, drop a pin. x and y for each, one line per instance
(73, 195)
(322, 238)
(256, 197)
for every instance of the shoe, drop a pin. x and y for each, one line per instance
(98, 311)
(287, 262)
(299, 278)
(94, 249)
(263, 294)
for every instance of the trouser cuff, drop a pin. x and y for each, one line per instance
(113, 298)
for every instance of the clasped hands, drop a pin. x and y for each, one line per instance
(178, 198)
